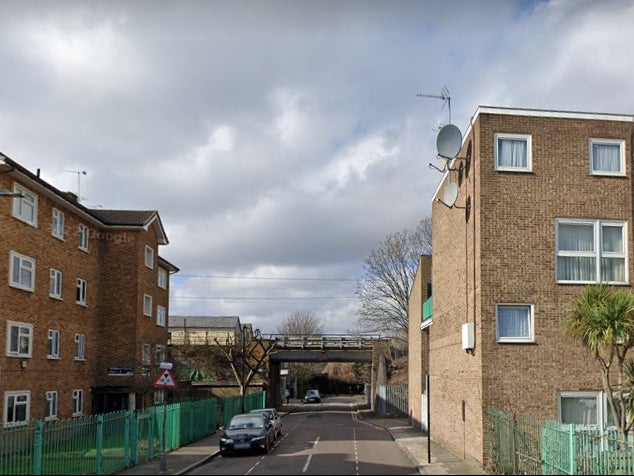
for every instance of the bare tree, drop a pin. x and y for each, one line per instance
(302, 323)
(389, 274)
(246, 356)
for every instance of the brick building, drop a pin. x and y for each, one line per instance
(543, 205)
(84, 305)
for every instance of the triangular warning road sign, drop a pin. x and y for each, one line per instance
(165, 379)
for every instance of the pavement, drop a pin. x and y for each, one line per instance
(413, 443)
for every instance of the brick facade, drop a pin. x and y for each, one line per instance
(503, 250)
(111, 320)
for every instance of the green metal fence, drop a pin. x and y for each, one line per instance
(103, 443)
(521, 445)
(233, 405)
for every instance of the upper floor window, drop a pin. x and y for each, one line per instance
(80, 347)
(162, 278)
(513, 152)
(590, 251)
(147, 305)
(22, 271)
(514, 322)
(55, 285)
(160, 316)
(160, 353)
(82, 291)
(19, 339)
(50, 412)
(25, 207)
(607, 157)
(78, 402)
(146, 357)
(149, 256)
(16, 408)
(52, 349)
(84, 234)
(57, 224)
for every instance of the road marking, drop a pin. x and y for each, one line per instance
(310, 456)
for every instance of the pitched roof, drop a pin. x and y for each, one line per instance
(124, 217)
(218, 322)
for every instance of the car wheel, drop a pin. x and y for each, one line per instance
(267, 447)
(223, 453)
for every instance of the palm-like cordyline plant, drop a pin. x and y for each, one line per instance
(602, 319)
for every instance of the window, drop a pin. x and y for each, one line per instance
(514, 322)
(80, 347)
(160, 316)
(83, 237)
(162, 278)
(55, 286)
(513, 152)
(57, 224)
(160, 353)
(22, 271)
(50, 412)
(78, 402)
(147, 305)
(590, 251)
(146, 358)
(52, 349)
(25, 207)
(607, 157)
(82, 290)
(580, 408)
(16, 405)
(19, 339)
(149, 257)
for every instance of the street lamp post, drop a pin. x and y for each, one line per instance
(163, 464)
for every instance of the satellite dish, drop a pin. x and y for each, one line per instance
(451, 195)
(449, 141)
(443, 164)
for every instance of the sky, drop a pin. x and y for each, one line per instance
(282, 141)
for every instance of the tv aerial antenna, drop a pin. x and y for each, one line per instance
(444, 95)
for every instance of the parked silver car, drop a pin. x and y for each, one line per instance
(312, 396)
(274, 416)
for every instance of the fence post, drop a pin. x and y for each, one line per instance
(513, 447)
(99, 443)
(572, 449)
(37, 447)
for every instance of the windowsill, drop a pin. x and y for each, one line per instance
(60, 238)
(19, 356)
(57, 298)
(52, 357)
(516, 343)
(85, 250)
(21, 288)
(76, 359)
(28, 222)
(82, 304)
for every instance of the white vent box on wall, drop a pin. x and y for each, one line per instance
(467, 335)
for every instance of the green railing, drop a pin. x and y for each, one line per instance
(233, 405)
(103, 443)
(427, 306)
(521, 445)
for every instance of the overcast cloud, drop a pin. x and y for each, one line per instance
(281, 141)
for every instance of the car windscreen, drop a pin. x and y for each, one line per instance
(246, 422)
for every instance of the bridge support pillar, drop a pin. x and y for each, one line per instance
(274, 397)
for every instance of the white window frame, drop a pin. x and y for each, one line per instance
(24, 264)
(25, 207)
(160, 353)
(78, 402)
(621, 144)
(160, 315)
(57, 223)
(50, 412)
(597, 252)
(531, 323)
(162, 278)
(25, 401)
(80, 347)
(149, 257)
(529, 152)
(600, 399)
(81, 292)
(24, 331)
(84, 235)
(147, 305)
(55, 284)
(53, 344)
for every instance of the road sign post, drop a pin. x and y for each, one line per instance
(165, 380)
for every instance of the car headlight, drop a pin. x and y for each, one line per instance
(226, 440)
(259, 438)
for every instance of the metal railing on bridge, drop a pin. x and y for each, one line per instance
(324, 341)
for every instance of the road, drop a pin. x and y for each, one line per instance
(326, 438)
